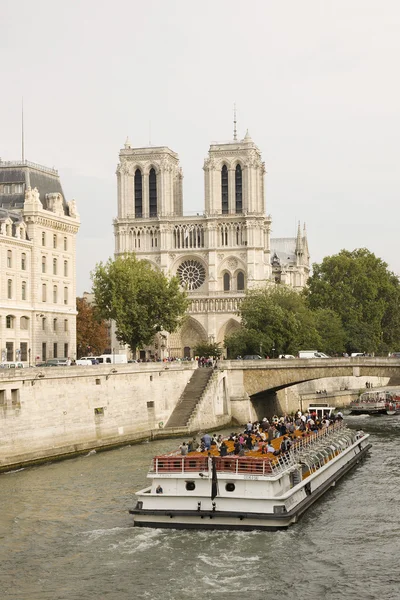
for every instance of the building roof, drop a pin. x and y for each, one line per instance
(284, 249)
(46, 180)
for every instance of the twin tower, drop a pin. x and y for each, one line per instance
(217, 254)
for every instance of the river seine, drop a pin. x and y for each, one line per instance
(65, 534)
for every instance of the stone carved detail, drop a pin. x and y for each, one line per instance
(232, 263)
(220, 256)
(72, 209)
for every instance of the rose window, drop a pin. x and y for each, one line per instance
(191, 274)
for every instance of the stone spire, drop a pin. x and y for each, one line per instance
(127, 144)
(299, 241)
(305, 243)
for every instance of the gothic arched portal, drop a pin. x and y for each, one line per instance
(183, 341)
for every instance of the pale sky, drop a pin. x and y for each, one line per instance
(316, 82)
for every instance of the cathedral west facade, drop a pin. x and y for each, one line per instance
(217, 254)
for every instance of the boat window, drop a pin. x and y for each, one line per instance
(230, 487)
(190, 486)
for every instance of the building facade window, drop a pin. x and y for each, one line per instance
(238, 189)
(23, 290)
(55, 350)
(55, 294)
(24, 323)
(65, 244)
(43, 264)
(9, 289)
(10, 351)
(43, 238)
(18, 188)
(65, 295)
(240, 281)
(23, 261)
(138, 193)
(44, 324)
(24, 351)
(152, 193)
(227, 282)
(9, 259)
(65, 268)
(55, 240)
(224, 190)
(54, 266)
(44, 351)
(54, 324)
(44, 292)
(66, 350)
(65, 325)
(9, 322)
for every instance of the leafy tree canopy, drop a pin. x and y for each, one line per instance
(141, 300)
(276, 318)
(207, 350)
(91, 331)
(358, 287)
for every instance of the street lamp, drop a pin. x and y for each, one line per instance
(273, 352)
(261, 349)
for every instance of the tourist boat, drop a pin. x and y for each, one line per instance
(376, 402)
(255, 491)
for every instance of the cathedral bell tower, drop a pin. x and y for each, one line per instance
(149, 182)
(234, 178)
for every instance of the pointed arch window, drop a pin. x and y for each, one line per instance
(227, 282)
(152, 193)
(138, 194)
(238, 189)
(224, 190)
(240, 281)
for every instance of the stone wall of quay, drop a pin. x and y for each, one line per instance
(55, 412)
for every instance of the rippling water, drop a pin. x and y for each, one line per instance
(65, 534)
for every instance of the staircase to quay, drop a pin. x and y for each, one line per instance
(190, 398)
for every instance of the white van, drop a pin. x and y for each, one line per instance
(112, 359)
(84, 362)
(312, 354)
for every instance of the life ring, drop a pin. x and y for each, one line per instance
(161, 424)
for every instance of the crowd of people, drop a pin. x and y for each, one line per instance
(262, 436)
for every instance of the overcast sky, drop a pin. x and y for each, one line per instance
(316, 82)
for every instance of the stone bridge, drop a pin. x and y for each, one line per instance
(261, 379)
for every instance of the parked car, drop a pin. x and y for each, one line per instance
(12, 365)
(252, 357)
(394, 355)
(58, 362)
(286, 356)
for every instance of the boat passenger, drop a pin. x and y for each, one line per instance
(249, 442)
(159, 490)
(237, 447)
(184, 448)
(193, 445)
(223, 449)
(207, 440)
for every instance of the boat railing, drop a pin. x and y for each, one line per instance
(250, 465)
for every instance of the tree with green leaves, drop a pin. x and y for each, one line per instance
(207, 350)
(141, 300)
(358, 287)
(275, 320)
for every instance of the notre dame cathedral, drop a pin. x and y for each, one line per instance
(217, 254)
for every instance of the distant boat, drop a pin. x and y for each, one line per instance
(378, 401)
